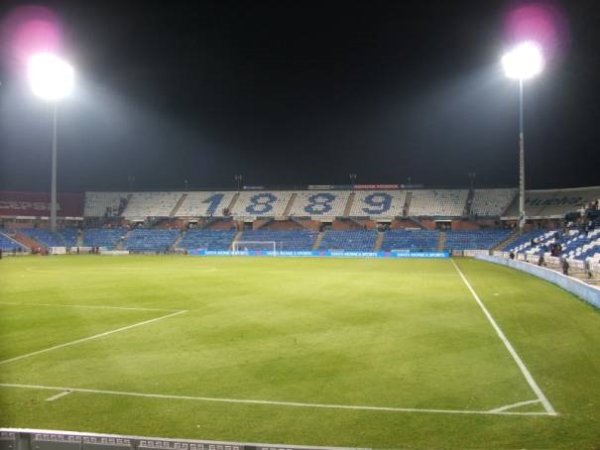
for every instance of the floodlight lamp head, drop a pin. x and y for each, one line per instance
(524, 61)
(51, 78)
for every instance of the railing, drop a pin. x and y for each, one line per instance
(26, 439)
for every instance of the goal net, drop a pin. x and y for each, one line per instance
(245, 247)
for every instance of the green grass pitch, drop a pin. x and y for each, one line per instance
(331, 352)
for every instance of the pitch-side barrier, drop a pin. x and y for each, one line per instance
(321, 254)
(577, 287)
(26, 439)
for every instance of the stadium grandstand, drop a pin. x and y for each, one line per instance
(370, 218)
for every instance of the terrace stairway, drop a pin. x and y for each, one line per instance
(179, 238)
(178, 205)
(406, 206)
(441, 242)
(236, 238)
(26, 241)
(318, 241)
(513, 237)
(290, 205)
(380, 236)
(233, 201)
(349, 204)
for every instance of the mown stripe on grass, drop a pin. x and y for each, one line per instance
(89, 338)
(61, 305)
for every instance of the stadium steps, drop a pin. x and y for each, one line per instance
(378, 242)
(441, 242)
(406, 207)
(299, 222)
(264, 223)
(356, 221)
(318, 241)
(418, 223)
(122, 240)
(177, 241)
(469, 203)
(512, 238)
(349, 204)
(129, 197)
(237, 237)
(178, 205)
(206, 225)
(290, 205)
(233, 201)
(25, 240)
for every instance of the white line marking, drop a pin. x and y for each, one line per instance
(534, 386)
(57, 396)
(60, 305)
(89, 338)
(275, 403)
(516, 405)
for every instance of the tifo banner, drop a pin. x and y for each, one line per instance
(37, 204)
(321, 254)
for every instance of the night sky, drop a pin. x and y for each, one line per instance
(301, 92)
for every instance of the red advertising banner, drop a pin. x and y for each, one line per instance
(37, 204)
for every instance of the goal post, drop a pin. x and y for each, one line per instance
(244, 247)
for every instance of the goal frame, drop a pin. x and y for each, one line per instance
(236, 245)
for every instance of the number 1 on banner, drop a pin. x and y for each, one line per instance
(213, 203)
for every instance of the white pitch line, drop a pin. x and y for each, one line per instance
(57, 396)
(89, 338)
(524, 370)
(275, 403)
(62, 305)
(516, 405)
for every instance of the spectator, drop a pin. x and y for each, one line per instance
(588, 267)
(565, 266)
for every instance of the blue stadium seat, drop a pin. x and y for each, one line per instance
(414, 240)
(207, 239)
(145, 240)
(349, 240)
(103, 237)
(474, 239)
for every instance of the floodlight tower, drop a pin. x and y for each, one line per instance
(523, 62)
(352, 180)
(238, 178)
(51, 79)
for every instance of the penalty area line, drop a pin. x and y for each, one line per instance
(273, 402)
(57, 396)
(90, 338)
(524, 370)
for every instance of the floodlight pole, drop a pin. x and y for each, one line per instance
(51, 79)
(521, 162)
(523, 62)
(53, 202)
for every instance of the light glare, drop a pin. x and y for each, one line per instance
(51, 78)
(523, 62)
